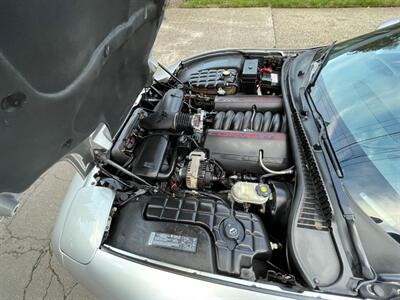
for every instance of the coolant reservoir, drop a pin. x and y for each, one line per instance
(250, 192)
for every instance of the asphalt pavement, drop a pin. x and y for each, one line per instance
(28, 269)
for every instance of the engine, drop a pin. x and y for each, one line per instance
(238, 138)
(211, 153)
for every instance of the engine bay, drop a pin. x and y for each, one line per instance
(203, 171)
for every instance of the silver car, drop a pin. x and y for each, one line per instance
(233, 174)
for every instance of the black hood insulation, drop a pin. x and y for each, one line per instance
(65, 68)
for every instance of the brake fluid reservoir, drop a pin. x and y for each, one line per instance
(250, 192)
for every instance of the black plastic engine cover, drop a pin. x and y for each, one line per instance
(180, 244)
(150, 155)
(238, 151)
(238, 236)
(164, 112)
(208, 81)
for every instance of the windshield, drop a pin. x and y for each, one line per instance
(358, 93)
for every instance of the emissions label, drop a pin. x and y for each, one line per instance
(172, 241)
(274, 78)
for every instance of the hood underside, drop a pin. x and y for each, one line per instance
(66, 67)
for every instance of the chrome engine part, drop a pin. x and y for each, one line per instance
(195, 172)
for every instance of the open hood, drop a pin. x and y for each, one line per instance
(66, 67)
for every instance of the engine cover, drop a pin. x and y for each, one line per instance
(238, 151)
(191, 232)
(150, 155)
(185, 245)
(239, 237)
(210, 81)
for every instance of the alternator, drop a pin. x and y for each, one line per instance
(198, 174)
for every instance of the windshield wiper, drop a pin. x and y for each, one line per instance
(319, 64)
(323, 136)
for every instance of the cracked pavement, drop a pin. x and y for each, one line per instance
(29, 270)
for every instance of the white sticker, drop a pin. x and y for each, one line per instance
(172, 241)
(274, 78)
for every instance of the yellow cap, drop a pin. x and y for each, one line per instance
(264, 189)
(226, 73)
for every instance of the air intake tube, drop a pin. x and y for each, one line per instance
(167, 121)
(167, 115)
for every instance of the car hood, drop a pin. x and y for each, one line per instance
(65, 68)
